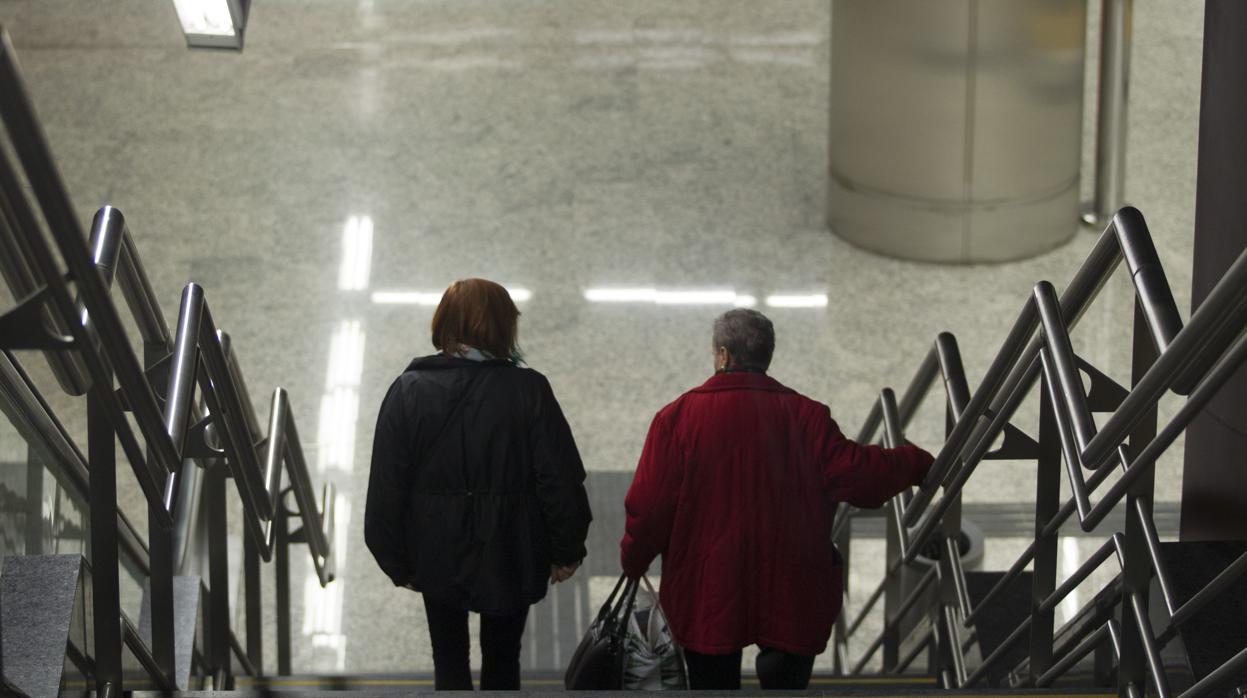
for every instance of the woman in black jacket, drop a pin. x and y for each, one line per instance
(476, 495)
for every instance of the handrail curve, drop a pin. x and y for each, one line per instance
(1192, 359)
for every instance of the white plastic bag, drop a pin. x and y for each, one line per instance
(652, 661)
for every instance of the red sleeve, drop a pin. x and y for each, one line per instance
(650, 504)
(865, 476)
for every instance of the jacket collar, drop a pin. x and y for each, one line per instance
(441, 361)
(742, 381)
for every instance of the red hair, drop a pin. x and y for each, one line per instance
(477, 313)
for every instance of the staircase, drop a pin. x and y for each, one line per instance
(1170, 623)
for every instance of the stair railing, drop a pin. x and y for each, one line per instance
(943, 364)
(83, 323)
(1193, 360)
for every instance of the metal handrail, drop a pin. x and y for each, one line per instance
(199, 344)
(116, 257)
(1016, 367)
(37, 424)
(198, 355)
(138, 647)
(103, 356)
(942, 362)
(25, 281)
(113, 246)
(1193, 360)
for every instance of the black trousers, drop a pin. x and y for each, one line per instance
(721, 672)
(500, 648)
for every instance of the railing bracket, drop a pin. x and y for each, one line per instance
(1106, 394)
(158, 377)
(26, 326)
(1017, 445)
(197, 444)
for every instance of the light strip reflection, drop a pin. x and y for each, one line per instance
(432, 298)
(339, 415)
(346, 355)
(675, 297)
(356, 254)
(676, 48)
(322, 606)
(812, 300)
(335, 441)
(1070, 562)
(339, 405)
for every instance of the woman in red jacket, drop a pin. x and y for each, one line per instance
(736, 489)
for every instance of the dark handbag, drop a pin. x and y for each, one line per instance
(598, 663)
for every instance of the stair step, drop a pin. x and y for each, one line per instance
(747, 691)
(1001, 618)
(1218, 631)
(550, 685)
(540, 682)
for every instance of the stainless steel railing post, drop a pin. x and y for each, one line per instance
(218, 612)
(105, 567)
(1113, 93)
(1133, 669)
(252, 603)
(1047, 503)
(282, 581)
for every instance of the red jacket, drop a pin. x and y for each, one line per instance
(736, 489)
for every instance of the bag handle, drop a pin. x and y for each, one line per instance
(610, 600)
(656, 613)
(627, 602)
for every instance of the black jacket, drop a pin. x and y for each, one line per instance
(476, 485)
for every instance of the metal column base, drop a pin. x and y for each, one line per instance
(43, 621)
(187, 624)
(956, 126)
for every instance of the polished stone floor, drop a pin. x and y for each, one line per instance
(326, 184)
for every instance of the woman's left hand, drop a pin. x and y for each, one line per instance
(562, 573)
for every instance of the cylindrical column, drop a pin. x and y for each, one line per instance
(956, 126)
(1214, 492)
(1110, 147)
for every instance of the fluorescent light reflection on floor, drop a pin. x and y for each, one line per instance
(322, 606)
(356, 254)
(1071, 560)
(339, 405)
(432, 298)
(695, 297)
(671, 297)
(811, 300)
(678, 297)
(406, 298)
(335, 459)
(346, 355)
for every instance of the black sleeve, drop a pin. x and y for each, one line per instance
(383, 514)
(560, 477)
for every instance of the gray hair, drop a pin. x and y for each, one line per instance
(748, 335)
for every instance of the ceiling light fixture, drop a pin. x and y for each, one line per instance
(213, 23)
